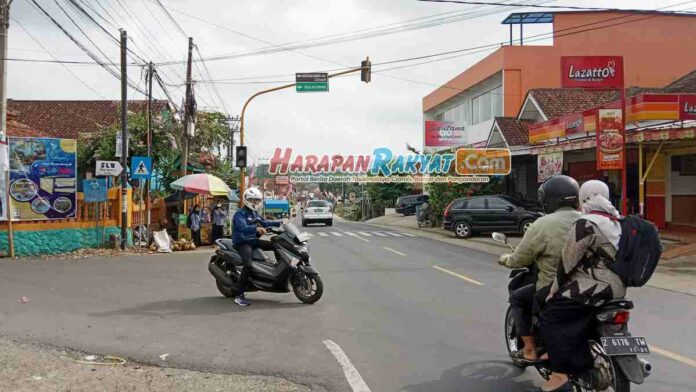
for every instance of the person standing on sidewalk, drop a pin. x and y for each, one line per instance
(195, 224)
(219, 218)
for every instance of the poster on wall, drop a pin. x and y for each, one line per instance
(42, 178)
(548, 165)
(610, 140)
(445, 133)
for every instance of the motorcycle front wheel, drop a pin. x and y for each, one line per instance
(308, 288)
(512, 341)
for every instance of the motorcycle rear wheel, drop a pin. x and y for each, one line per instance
(226, 290)
(312, 292)
(512, 341)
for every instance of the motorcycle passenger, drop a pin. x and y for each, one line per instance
(582, 283)
(541, 248)
(248, 226)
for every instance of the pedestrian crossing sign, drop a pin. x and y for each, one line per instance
(141, 168)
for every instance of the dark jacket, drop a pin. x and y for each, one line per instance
(244, 226)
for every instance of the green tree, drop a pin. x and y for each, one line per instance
(386, 193)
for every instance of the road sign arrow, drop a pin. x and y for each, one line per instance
(108, 168)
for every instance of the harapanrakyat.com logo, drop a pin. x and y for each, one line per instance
(465, 165)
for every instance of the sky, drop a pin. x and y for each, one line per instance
(353, 118)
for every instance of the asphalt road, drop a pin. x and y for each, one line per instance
(410, 314)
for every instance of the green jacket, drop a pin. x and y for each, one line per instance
(543, 244)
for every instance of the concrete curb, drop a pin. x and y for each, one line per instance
(682, 284)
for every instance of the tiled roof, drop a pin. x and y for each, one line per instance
(66, 119)
(514, 130)
(17, 129)
(559, 102)
(686, 84)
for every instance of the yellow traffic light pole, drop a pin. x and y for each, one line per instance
(242, 171)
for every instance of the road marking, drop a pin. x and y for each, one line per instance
(460, 276)
(408, 235)
(354, 378)
(365, 234)
(394, 234)
(673, 356)
(394, 251)
(379, 234)
(356, 236)
(321, 233)
(337, 234)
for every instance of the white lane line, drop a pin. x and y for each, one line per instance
(394, 234)
(394, 251)
(356, 236)
(354, 378)
(321, 233)
(673, 356)
(337, 234)
(408, 235)
(460, 276)
(379, 234)
(365, 234)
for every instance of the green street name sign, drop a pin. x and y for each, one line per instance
(312, 82)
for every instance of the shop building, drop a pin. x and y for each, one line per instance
(498, 85)
(660, 137)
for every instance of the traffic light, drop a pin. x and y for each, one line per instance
(241, 156)
(366, 70)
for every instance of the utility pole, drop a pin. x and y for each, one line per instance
(150, 71)
(187, 119)
(4, 145)
(124, 138)
(232, 126)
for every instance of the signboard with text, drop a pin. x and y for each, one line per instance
(42, 178)
(687, 107)
(445, 133)
(108, 168)
(592, 72)
(610, 140)
(548, 165)
(312, 82)
(95, 190)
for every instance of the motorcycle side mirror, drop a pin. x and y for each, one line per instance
(500, 238)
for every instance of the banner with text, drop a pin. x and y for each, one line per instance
(445, 133)
(42, 178)
(610, 140)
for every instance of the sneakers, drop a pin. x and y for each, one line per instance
(241, 300)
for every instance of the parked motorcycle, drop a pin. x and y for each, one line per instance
(290, 267)
(615, 351)
(425, 215)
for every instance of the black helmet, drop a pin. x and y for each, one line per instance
(558, 191)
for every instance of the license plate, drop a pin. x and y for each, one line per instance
(629, 345)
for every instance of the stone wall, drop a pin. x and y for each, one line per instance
(47, 242)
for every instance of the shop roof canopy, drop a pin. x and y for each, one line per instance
(528, 18)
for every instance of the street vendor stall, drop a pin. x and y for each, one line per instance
(207, 186)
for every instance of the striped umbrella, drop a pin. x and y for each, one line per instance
(202, 184)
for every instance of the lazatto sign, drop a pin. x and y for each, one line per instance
(603, 72)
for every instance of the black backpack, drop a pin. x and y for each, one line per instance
(639, 250)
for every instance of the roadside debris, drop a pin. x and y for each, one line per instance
(23, 300)
(163, 357)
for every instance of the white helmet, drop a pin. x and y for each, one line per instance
(252, 198)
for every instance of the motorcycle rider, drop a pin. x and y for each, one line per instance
(582, 283)
(248, 226)
(541, 248)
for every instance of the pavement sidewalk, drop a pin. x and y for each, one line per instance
(677, 275)
(28, 367)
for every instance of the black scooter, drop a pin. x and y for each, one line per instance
(615, 351)
(290, 267)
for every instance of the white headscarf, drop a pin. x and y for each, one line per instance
(594, 197)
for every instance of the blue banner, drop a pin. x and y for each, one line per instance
(42, 178)
(95, 190)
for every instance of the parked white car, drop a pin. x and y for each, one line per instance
(317, 211)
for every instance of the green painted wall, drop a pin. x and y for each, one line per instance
(48, 242)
